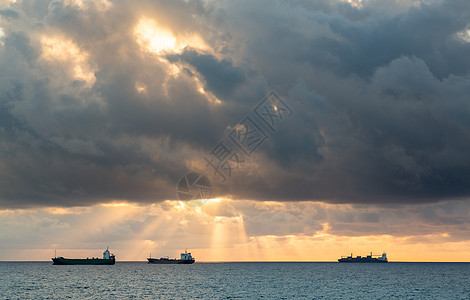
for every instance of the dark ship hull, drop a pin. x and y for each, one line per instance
(186, 259)
(361, 260)
(81, 261)
(166, 261)
(366, 259)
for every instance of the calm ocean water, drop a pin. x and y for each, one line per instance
(27, 280)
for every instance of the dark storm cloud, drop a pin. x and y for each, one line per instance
(425, 32)
(65, 144)
(379, 94)
(221, 76)
(9, 13)
(393, 125)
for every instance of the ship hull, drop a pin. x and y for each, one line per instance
(364, 261)
(81, 261)
(170, 261)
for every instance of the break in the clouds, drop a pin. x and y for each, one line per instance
(106, 100)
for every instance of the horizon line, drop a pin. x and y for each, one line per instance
(242, 261)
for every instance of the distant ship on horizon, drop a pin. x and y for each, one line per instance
(367, 259)
(108, 259)
(186, 258)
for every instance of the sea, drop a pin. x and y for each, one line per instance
(250, 280)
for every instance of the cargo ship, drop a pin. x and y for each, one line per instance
(367, 259)
(108, 259)
(186, 258)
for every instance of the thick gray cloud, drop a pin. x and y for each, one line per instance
(221, 76)
(9, 13)
(379, 94)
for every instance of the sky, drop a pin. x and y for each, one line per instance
(323, 127)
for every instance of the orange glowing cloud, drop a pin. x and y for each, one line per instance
(66, 52)
(158, 39)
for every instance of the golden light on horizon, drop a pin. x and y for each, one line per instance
(226, 231)
(215, 200)
(67, 210)
(217, 229)
(118, 204)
